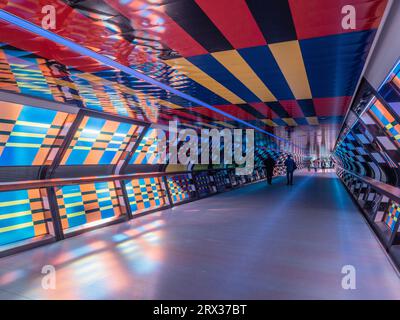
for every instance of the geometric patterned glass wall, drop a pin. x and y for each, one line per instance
(146, 194)
(391, 90)
(204, 183)
(22, 215)
(386, 120)
(87, 203)
(29, 136)
(26, 73)
(147, 151)
(392, 216)
(99, 142)
(181, 187)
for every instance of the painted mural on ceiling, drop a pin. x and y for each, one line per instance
(283, 66)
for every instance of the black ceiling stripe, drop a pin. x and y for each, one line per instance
(249, 109)
(195, 22)
(307, 106)
(274, 19)
(278, 109)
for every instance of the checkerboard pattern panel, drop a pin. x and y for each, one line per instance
(147, 151)
(392, 216)
(23, 215)
(87, 203)
(145, 194)
(204, 183)
(30, 135)
(27, 73)
(99, 142)
(221, 180)
(181, 187)
(384, 117)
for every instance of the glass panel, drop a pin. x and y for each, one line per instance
(85, 204)
(386, 120)
(147, 151)
(181, 187)
(30, 135)
(392, 216)
(22, 215)
(100, 142)
(145, 194)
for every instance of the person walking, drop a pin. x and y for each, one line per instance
(290, 167)
(269, 168)
(315, 166)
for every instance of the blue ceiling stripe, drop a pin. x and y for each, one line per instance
(334, 63)
(301, 121)
(216, 70)
(261, 60)
(307, 107)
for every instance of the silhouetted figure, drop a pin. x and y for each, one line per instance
(290, 167)
(269, 168)
(323, 166)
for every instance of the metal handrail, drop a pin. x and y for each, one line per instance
(35, 184)
(385, 189)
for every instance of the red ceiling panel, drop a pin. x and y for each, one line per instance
(236, 24)
(316, 18)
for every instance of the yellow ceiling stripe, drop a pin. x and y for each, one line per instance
(312, 121)
(290, 60)
(236, 65)
(269, 122)
(290, 121)
(194, 73)
(169, 104)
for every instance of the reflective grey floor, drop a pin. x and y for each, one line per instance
(258, 242)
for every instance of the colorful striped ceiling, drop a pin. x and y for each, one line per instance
(281, 63)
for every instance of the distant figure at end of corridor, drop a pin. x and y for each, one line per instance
(290, 167)
(269, 168)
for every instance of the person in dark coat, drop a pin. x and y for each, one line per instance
(269, 168)
(290, 167)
